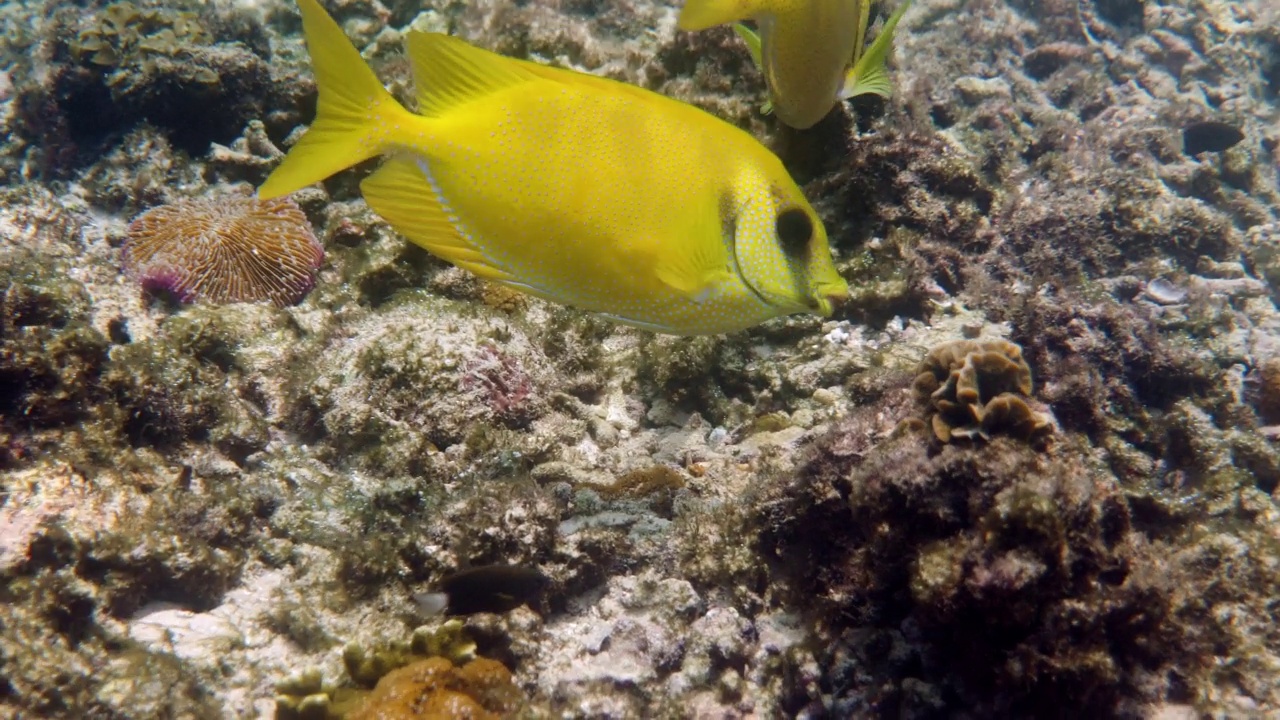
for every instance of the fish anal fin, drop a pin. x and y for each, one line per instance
(403, 193)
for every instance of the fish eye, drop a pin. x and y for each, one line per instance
(794, 231)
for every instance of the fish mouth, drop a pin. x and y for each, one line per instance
(827, 299)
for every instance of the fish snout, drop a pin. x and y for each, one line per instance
(829, 298)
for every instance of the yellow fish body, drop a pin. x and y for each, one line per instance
(570, 187)
(810, 51)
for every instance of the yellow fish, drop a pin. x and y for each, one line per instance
(810, 51)
(567, 186)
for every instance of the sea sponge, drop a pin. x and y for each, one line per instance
(225, 249)
(435, 688)
(977, 388)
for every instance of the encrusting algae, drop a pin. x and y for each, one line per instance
(200, 501)
(570, 187)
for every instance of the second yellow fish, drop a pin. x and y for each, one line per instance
(810, 51)
(573, 188)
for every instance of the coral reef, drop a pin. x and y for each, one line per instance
(198, 501)
(481, 689)
(407, 679)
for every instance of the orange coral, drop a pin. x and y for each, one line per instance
(225, 249)
(434, 688)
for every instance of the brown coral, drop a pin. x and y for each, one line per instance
(435, 688)
(976, 388)
(226, 249)
(1267, 397)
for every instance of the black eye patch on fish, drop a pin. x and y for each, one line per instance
(794, 230)
(487, 589)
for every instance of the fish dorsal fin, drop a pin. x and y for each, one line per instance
(448, 72)
(699, 262)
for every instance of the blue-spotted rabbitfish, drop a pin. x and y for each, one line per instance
(810, 51)
(574, 188)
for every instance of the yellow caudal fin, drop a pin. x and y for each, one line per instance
(352, 115)
(448, 72)
(702, 14)
(404, 194)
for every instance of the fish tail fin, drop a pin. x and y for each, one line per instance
(703, 14)
(352, 115)
(432, 604)
(868, 75)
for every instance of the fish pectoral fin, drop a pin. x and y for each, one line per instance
(868, 75)
(702, 14)
(699, 265)
(698, 286)
(752, 40)
(403, 192)
(447, 72)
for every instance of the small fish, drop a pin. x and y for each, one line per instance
(570, 187)
(1209, 136)
(487, 589)
(810, 51)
